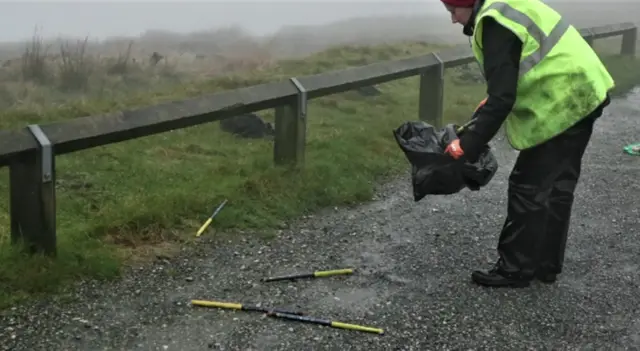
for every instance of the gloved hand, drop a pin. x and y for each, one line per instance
(454, 149)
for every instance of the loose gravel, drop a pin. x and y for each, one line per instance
(413, 264)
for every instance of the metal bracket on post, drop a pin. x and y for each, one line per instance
(291, 128)
(46, 150)
(302, 97)
(440, 63)
(629, 42)
(430, 107)
(589, 37)
(440, 111)
(33, 197)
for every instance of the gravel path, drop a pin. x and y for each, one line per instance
(413, 262)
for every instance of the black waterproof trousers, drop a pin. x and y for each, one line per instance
(540, 197)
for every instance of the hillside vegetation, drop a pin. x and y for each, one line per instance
(130, 201)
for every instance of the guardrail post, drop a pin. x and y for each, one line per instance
(33, 200)
(629, 40)
(430, 108)
(291, 129)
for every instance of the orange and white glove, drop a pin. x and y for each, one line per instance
(484, 101)
(454, 150)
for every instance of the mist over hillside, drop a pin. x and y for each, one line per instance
(425, 21)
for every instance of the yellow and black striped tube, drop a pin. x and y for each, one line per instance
(210, 219)
(465, 126)
(239, 306)
(316, 274)
(473, 119)
(326, 322)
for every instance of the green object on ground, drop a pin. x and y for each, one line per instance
(633, 149)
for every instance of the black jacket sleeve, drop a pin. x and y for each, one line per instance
(501, 51)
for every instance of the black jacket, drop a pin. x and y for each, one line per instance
(501, 51)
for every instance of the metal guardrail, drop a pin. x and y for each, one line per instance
(30, 152)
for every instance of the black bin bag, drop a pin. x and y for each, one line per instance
(432, 171)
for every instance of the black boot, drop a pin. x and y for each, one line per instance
(546, 277)
(498, 278)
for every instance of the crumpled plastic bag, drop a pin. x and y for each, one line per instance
(432, 171)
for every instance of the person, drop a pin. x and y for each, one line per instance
(548, 86)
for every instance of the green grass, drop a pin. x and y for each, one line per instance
(117, 202)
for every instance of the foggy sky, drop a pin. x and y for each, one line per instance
(118, 18)
(101, 19)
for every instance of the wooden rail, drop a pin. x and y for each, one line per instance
(30, 152)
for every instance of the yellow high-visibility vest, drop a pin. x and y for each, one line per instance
(561, 78)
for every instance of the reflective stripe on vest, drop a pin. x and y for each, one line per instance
(545, 42)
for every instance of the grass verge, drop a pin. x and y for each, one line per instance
(114, 201)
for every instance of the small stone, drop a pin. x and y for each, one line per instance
(189, 279)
